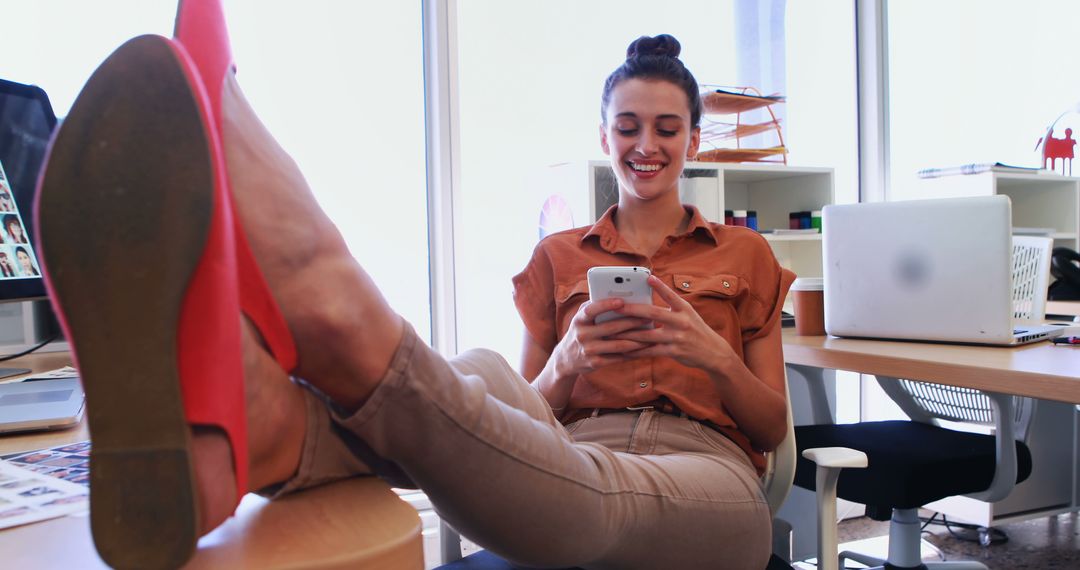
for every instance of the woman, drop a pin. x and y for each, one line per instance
(26, 264)
(14, 229)
(715, 356)
(648, 490)
(651, 110)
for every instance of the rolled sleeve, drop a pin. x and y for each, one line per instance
(769, 286)
(534, 297)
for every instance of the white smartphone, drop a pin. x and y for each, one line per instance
(628, 283)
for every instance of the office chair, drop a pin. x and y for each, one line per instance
(911, 463)
(777, 480)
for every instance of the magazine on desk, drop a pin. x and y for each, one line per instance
(27, 497)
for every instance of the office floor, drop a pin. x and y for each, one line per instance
(1050, 543)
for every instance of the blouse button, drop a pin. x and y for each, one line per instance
(644, 384)
(686, 284)
(727, 285)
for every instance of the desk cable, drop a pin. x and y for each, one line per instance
(31, 349)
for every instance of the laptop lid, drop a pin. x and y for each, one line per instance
(40, 404)
(937, 270)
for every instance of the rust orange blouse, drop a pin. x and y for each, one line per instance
(729, 274)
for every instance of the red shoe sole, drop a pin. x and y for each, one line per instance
(136, 239)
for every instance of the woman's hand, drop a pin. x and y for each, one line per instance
(587, 346)
(680, 333)
(752, 389)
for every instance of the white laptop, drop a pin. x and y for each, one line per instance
(40, 404)
(928, 270)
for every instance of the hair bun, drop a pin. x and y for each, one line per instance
(663, 45)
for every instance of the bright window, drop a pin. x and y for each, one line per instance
(340, 84)
(976, 81)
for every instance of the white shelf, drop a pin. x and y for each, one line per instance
(793, 237)
(773, 191)
(1039, 200)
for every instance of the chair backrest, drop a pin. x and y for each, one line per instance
(930, 403)
(1031, 276)
(780, 466)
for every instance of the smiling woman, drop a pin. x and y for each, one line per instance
(650, 124)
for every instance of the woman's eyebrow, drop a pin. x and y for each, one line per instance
(633, 115)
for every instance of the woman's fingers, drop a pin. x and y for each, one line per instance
(590, 309)
(620, 325)
(673, 299)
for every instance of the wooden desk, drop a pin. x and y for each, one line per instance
(1040, 370)
(1063, 308)
(356, 523)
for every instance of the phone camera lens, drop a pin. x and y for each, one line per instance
(618, 279)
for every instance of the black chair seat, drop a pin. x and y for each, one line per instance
(485, 560)
(909, 463)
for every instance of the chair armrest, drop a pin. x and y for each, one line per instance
(1005, 442)
(837, 457)
(830, 460)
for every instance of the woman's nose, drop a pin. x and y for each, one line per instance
(647, 144)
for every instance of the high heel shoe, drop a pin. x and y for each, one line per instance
(201, 30)
(137, 236)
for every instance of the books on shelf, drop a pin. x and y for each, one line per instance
(976, 168)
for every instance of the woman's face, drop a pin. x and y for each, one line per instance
(16, 231)
(24, 261)
(647, 134)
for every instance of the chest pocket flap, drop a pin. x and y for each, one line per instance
(563, 293)
(717, 285)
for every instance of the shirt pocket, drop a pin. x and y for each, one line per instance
(568, 298)
(713, 297)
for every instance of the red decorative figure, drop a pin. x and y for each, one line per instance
(1054, 149)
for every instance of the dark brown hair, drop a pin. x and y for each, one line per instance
(655, 58)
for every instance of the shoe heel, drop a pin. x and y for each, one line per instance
(142, 503)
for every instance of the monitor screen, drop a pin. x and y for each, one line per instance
(26, 123)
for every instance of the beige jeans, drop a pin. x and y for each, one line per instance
(622, 490)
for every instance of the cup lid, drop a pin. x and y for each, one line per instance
(808, 284)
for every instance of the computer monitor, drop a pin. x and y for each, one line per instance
(26, 123)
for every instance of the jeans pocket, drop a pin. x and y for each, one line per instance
(574, 426)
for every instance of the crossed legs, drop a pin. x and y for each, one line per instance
(468, 431)
(650, 491)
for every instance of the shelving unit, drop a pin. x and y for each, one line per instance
(1039, 199)
(772, 190)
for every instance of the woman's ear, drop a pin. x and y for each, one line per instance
(603, 139)
(695, 143)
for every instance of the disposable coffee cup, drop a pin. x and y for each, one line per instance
(809, 296)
